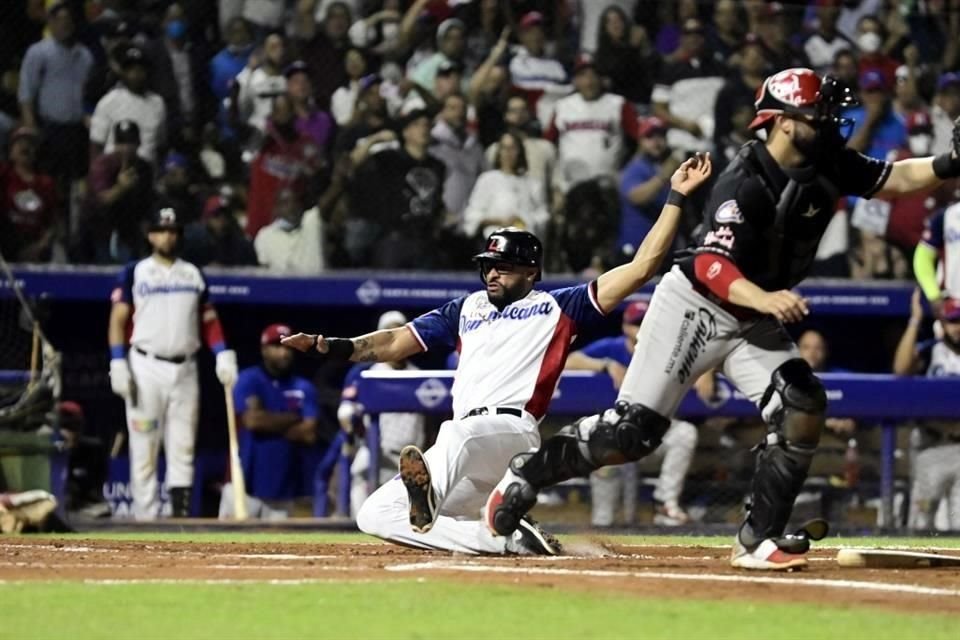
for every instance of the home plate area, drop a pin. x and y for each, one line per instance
(699, 572)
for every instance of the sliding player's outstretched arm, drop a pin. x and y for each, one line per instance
(388, 345)
(616, 284)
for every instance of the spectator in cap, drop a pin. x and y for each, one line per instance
(644, 186)
(686, 89)
(229, 62)
(344, 99)
(506, 195)
(131, 99)
(729, 25)
(260, 82)
(313, 123)
(459, 150)
(612, 356)
(772, 26)
(286, 160)
(51, 91)
(740, 88)
(396, 430)
(323, 46)
(878, 130)
(397, 197)
(217, 239)
(119, 199)
(278, 413)
(178, 185)
(588, 128)
(293, 242)
(946, 109)
(451, 47)
(534, 72)
(824, 44)
(624, 56)
(30, 214)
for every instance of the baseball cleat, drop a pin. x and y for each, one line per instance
(27, 508)
(415, 475)
(510, 500)
(670, 515)
(766, 557)
(530, 540)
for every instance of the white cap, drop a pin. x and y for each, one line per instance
(390, 320)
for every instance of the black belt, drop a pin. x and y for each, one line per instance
(482, 411)
(173, 359)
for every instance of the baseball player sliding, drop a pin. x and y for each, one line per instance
(724, 305)
(513, 341)
(166, 298)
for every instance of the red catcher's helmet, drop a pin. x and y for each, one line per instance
(790, 91)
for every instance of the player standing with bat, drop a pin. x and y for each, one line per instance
(724, 305)
(166, 299)
(513, 341)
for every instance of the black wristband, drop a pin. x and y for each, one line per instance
(945, 166)
(676, 198)
(340, 348)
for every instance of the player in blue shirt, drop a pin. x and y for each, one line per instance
(612, 355)
(277, 411)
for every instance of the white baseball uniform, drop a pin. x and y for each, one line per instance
(510, 362)
(942, 234)
(167, 302)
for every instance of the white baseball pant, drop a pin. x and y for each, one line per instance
(164, 410)
(468, 459)
(936, 482)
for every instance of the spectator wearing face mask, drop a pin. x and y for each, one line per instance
(871, 37)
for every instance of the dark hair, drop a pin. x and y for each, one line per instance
(521, 168)
(603, 38)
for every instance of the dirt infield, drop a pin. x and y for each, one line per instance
(661, 571)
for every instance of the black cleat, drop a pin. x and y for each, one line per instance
(416, 478)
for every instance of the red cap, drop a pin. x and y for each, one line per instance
(273, 333)
(652, 126)
(635, 311)
(214, 205)
(791, 90)
(584, 61)
(951, 309)
(531, 19)
(919, 121)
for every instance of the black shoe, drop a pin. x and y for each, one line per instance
(530, 540)
(510, 500)
(416, 478)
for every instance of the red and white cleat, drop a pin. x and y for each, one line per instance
(766, 557)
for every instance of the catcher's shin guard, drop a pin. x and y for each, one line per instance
(180, 498)
(794, 406)
(625, 433)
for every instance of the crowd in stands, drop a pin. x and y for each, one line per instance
(304, 135)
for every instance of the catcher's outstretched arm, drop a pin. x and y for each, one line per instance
(616, 284)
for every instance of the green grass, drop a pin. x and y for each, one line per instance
(327, 537)
(422, 609)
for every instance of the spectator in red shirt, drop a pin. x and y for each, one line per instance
(286, 159)
(871, 37)
(29, 211)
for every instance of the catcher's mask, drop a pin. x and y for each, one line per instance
(514, 246)
(802, 92)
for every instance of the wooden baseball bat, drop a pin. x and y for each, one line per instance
(236, 471)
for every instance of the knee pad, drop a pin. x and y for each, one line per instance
(795, 404)
(626, 433)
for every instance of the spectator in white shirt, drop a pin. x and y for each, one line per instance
(541, 155)
(535, 73)
(823, 45)
(260, 82)
(507, 196)
(130, 100)
(293, 242)
(345, 98)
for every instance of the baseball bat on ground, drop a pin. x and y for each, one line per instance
(236, 471)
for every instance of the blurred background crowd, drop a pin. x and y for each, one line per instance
(306, 135)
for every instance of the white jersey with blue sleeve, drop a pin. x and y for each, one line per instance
(512, 357)
(167, 301)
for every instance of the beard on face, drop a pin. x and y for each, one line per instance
(507, 295)
(826, 139)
